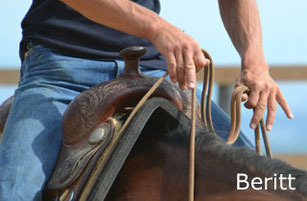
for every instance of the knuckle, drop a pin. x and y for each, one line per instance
(261, 86)
(251, 104)
(277, 88)
(195, 45)
(169, 48)
(185, 45)
(272, 108)
(247, 77)
(190, 65)
(255, 87)
(266, 87)
(171, 65)
(261, 106)
(266, 91)
(271, 87)
(180, 67)
(177, 47)
(200, 61)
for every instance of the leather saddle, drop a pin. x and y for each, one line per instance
(92, 151)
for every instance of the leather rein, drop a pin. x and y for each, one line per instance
(207, 117)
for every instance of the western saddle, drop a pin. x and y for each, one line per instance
(93, 148)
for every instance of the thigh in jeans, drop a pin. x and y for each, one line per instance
(33, 132)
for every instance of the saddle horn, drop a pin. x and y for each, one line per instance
(132, 56)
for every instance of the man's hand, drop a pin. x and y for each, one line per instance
(182, 53)
(264, 93)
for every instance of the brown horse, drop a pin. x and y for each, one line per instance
(157, 169)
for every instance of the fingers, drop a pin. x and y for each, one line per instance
(244, 97)
(259, 109)
(190, 69)
(267, 100)
(171, 63)
(253, 99)
(200, 60)
(186, 63)
(284, 105)
(271, 112)
(264, 94)
(180, 69)
(182, 53)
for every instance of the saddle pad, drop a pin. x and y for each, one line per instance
(167, 113)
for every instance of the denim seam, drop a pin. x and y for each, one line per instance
(119, 68)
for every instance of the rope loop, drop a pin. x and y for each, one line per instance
(234, 133)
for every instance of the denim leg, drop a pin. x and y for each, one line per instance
(221, 122)
(31, 141)
(33, 132)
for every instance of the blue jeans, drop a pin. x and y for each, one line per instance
(33, 132)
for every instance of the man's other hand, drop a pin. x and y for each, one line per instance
(264, 93)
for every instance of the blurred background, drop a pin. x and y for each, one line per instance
(285, 47)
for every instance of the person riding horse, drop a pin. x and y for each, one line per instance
(69, 46)
(106, 142)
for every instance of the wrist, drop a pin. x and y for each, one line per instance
(153, 28)
(254, 60)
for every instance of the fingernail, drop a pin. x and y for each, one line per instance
(269, 127)
(291, 116)
(253, 126)
(191, 85)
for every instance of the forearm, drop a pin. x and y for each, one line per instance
(181, 52)
(242, 22)
(122, 15)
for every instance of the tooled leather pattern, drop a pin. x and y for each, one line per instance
(98, 103)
